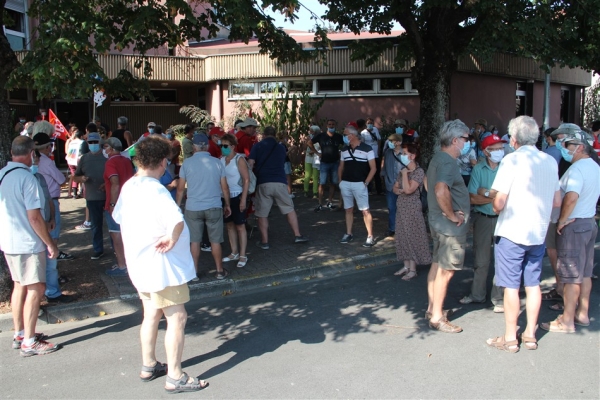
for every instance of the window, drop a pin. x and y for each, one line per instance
(330, 85)
(163, 96)
(16, 26)
(521, 99)
(565, 105)
(19, 94)
(360, 85)
(391, 84)
(271, 87)
(134, 97)
(240, 89)
(299, 86)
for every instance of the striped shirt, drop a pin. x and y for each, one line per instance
(356, 162)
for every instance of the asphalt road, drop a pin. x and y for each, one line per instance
(357, 336)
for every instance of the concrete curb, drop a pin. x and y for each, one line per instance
(130, 303)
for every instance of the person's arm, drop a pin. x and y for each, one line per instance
(39, 226)
(444, 199)
(499, 202)
(409, 187)
(372, 172)
(52, 223)
(115, 186)
(180, 189)
(340, 170)
(225, 189)
(382, 174)
(167, 242)
(243, 168)
(568, 205)
(128, 138)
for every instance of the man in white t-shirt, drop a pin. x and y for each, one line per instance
(159, 262)
(526, 187)
(370, 135)
(576, 229)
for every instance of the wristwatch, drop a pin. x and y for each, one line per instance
(112, 204)
(486, 193)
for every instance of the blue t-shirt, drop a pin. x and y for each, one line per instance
(269, 157)
(166, 179)
(554, 152)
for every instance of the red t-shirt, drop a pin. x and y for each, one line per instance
(119, 166)
(213, 149)
(245, 143)
(596, 143)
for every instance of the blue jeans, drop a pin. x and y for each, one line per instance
(55, 233)
(96, 210)
(52, 285)
(391, 204)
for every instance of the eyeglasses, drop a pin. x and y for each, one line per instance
(93, 142)
(465, 138)
(224, 146)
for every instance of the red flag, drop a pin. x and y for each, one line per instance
(60, 132)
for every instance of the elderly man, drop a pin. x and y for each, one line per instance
(117, 171)
(357, 169)
(24, 239)
(90, 172)
(160, 264)
(577, 231)
(206, 182)
(526, 187)
(449, 207)
(246, 136)
(484, 221)
(267, 158)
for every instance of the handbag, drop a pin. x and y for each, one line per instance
(252, 186)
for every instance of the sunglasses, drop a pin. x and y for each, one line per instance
(93, 142)
(224, 146)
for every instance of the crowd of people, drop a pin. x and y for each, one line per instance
(522, 202)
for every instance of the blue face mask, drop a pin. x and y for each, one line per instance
(391, 145)
(219, 142)
(346, 140)
(22, 121)
(466, 149)
(369, 126)
(34, 169)
(226, 151)
(399, 130)
(94, 148)
(169, 136)
(168, 162)
(558, 144)
(332, 130)
(404, 159)
(564, 152)
(151, 130)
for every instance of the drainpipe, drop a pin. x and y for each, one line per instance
(546, 112)
(217, 108)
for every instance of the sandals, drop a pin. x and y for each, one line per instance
(401, 271)
(443, 325)
(530, 343)
(183, 384)
(411, 275)
(557, 307)
(552, 295)
(231, 257)
(222, 275)
(159, 369)
(242, 262)
(445, 313)
(512, 346)
(556, 326)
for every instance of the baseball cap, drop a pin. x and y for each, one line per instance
(401, 122)
(114, 143)
(490, 140)
(481, 121)
(41, 140)
(353, 124)
(248, 122)
(200, 138)
(579, 138)
(151, 124)
(216, 131)
(93, 136)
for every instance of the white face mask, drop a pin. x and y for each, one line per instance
(496, 155)
(104, 153)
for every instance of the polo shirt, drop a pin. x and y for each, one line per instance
(119, 166)
(356, 162)
(269, 160)
(530, 178)
(482, 176)
(92, 165)
(19, 192)
(203, 174)
(54, 178)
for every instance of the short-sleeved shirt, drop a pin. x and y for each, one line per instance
(54, 178)
(92, 165)
(203, 174)
(19, 192)
(214, 149)
(443, 168)
(583, 178)
(188, 148)
(554, 152)
(142, 223)
(482, 176)
(356, 162)
(330, 146)
(245, 143)
(371, 139)
(530, 178)
(464, 162)
(269, 160)
(116, 166)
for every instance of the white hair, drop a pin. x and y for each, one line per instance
(352, 130)
(524, 129)
(43, 127)
(450, 130)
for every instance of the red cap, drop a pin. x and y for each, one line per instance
(216, 131)
(490, 140)
(352, 123)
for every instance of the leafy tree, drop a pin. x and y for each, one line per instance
(592, 105)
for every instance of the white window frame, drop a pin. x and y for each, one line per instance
(24, 35)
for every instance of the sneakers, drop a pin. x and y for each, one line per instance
(63, 298)
(64, 257)
(205, 247)
(346, 238)
(292, 196)
(18, 340)
(83, 227)
(318, 208)
(97, 256)
(38, 348)
(370, 242)
(264, 246)
(116, 271)
(301, 239)
(330, 205)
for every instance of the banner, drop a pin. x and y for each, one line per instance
(60, 132)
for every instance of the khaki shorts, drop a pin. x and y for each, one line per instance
(27, 269)
(266, 193)
(551, 236)
(212, 218)
(169, 296)
(448, 251)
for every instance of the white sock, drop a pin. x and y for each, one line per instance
(86, 222)
(28, 342)
(20, 333)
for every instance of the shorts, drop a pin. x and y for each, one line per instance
(55, 233)
(266, 193)
(287, 168)
(355, 191)
(514, 260)
(110, 222)
(575, 250)
(448, 251)
(329, 170)
(212, 218)
(550, 240)
(27, 269)
(169, 296)
(237, 217)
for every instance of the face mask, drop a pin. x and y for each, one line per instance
(22, 121)
(346, 140)
(391, 145)
(466, 149)
(34, 169)
(404, 159)
(496, 155)
(151, 130)
(169, 136)
(219, 142)
(94, 148)
(369, 126)
(495, 132)
(226, 151)
(566, 154)
(332, 130)
(168, 162)
(399, 130)
(558, 144)
(104, 153)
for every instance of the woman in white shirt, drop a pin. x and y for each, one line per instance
(238, 180)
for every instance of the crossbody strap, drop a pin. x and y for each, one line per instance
(8, 172)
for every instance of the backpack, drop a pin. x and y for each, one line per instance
(252, 186)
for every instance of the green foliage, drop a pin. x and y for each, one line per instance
(592, 104)
(197, 115)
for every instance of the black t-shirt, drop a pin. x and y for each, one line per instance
(330, 146)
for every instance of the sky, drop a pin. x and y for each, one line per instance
(303, 23)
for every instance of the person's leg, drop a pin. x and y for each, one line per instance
(315, 180)
(217, 253)
(320, 194)
(323, 175)
(119, 249)
(263, 227)
(292, 218)
(96, 221)
(582, 311)
(430, 286)
(483, 231)
(195, 249)
(17, 303)
(52, 285)
(572, 291)
(289, 183)
(349, 219)
(148, 334)
(31, 308)
(174, 339)
(368, 219)
(391, 199)
(512, 306)
(232, 232)
(55, 234)
(377, 177)
(308, 170)
(440, 287)
(243, 239)
(532, 307)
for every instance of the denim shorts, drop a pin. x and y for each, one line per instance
(110, 222)
(514, 260)
(329, 170)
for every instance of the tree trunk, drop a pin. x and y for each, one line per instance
(8, 62)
